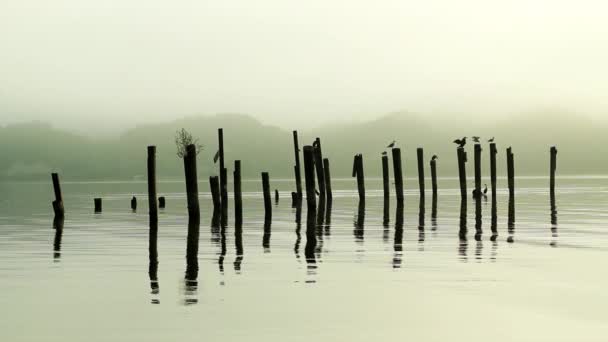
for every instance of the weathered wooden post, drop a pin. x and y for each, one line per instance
(477, 161)
(223, 176)
(398, 174)
(162, 202)
(134, 204)
(215, 193)
(318, 155)
(191, 181)
(420, 157)
(462, 172)
(434, 176)
(493, 153)
(358, 172)
(327, 174)
(276, 195)
(309, 176)
(511, 172)
(267, 199)
(294, 199)
(385, 178)
(58, 203)
(153, 209)
(238, 196)
(97, 202)
(297, 169)
(552, 169)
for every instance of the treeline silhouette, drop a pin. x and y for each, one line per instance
(29, 151)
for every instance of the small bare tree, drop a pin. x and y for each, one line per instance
(183, 138)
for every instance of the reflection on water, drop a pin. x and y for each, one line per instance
(398, 242)
(58, 223)
(359, 221)
(191, 278)
(238, 244)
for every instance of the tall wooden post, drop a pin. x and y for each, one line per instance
(462, 172)
(434, 176)
(223, 176)
(152, 203)
(318, 154)
(297, 170)
(238, 197)
(214, 185)
(58, 203)
(420, 157)
(398, 174)
(358, 172)
(267, 198)
(385, 179)
(327, 174)
(477, 170)
(191, 181)
(309, 176)
(511, 172)
(493, 153)
(552, 169)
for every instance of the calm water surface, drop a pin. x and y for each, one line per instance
(365, 278)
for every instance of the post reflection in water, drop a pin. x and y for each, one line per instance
(478, 219)
(434, 213)
(267, 233)
(385, 220)
(421, 219)
(191, 278)
(296, 247)
(58, 226)
(215, 227)
(511, 220)
(359, 222)
(220, 260)
(328, 218)
(238, 244)
(153, 259)
(398, 243)
(311, 242)
(554, 235)
(462, 233)
(320, 225)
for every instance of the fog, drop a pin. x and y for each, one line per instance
(104, 66)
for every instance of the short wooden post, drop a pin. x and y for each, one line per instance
(477, 161)
(134, 204)
(58, 203)
(420, 157)
(385, 180)
(462, 173)
(191, 181)
(267, 198)
(276, 196)
(398, 174)
(318, 155)
(162, 203)
(552, 169)
(152, 205)
(238, 196)
(327, 174)
(358, 172)
(297, 169)
(97, 202)
(309, 177)
(214, 185)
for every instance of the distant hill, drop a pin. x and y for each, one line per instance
(31, 151)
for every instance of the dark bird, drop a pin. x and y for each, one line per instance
(434, 157)
(491, 140)
(384, 153)
(461, 142)
(475, 139)
(216, 156)
(317, 192)
(391, 145)
(485, 190)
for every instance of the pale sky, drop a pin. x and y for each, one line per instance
(107, 64)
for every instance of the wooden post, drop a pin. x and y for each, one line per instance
(223, 175)
(134, 204)
(552, 169)
(493, 153)
(276, 195)
(238, 197)
(434, 176)
(294, 199)
(327, 174)
(297, 169)
(319, 167)
(511, 172)
(58, 203)
(477, 171)
(385, 180)
(191, 182)
(462, 172)
(152, 205)
(420, 155)
(397, 173)
(215, 193)
(97, 202)
(358, 172)
(162, 202)
(267, 199)
(309, 176)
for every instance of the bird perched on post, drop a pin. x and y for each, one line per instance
(391, 145)
(434, 157)
(384, 153)
(485, 190)
(491, 140)
(461, 142)
(216, 156)
(475, 139)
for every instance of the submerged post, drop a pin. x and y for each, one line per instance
(477, 170)
(309, 176)
(276, 195)
(319, 167)
(215, 193)
(398, 174)
(385, 178)
(327, 179)
(358, 172)
(267, 199)
(191, 181)
(462, 172)
(58, 202)
(297, 169)
(134, 203)
(97, 202)
(552, 169)
(420, 156)
(238, 197)
(161, 202)
(153, 209)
